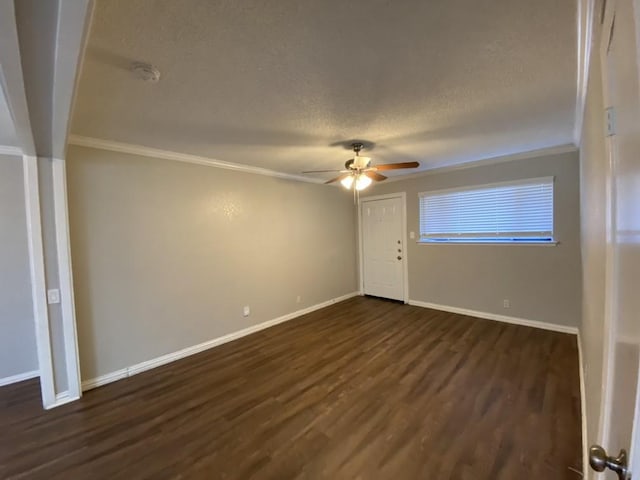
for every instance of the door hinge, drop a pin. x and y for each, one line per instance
(610, 121)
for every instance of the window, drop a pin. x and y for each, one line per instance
(513, 212)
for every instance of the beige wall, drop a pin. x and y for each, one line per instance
(541, 282)
(166, 254)
(593, 192)
(17, 330)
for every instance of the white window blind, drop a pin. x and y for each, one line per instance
(519, 211)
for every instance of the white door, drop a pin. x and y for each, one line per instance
(619, 421)
(383, 249)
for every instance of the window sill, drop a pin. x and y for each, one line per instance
(534, 244)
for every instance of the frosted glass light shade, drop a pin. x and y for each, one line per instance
(362, 182)
(347, 182)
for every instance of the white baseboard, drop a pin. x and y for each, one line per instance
(583, 409)
(104, 379)
(499, 318)
(19, 378)
(185, 352)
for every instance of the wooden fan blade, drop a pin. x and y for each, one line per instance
(337, 179)
(321, 171)
(396, 166)
(374, 176)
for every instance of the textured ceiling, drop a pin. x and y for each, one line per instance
(279, 84)
(7, 130)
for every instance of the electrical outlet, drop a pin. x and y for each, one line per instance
(53, 296)
(246, 311)
(506, 303)
(298, 299)
(412, 235)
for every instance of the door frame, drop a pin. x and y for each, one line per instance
(405, 252)
(38, 241)
(611, 286)
(38, 280)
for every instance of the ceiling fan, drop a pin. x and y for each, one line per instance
(359, 173)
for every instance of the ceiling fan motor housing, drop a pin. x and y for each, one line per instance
(357, 163)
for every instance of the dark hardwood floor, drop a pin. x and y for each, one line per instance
(364, 389)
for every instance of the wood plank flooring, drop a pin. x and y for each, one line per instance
(364, 389)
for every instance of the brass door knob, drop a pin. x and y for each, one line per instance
(599, 461)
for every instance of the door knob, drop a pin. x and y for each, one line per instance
(599, 461)
(399, 257)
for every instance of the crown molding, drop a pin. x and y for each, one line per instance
(8, 150)
(141, 150)
(542, 152)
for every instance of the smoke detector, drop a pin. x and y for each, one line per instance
(145, 71)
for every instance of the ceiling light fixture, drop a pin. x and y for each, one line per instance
(359, 173)
(357, 178)
(347, 182)
(362, 182)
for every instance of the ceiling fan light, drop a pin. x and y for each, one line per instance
(347, 182)
(362, 182)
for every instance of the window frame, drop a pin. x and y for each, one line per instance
(545, 241)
